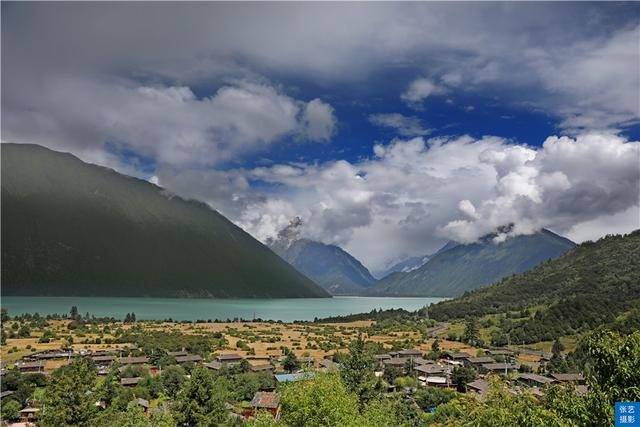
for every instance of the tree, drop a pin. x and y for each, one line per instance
(470, 335)
(201, 400)
(69, 398)
(290, 362)
(322, 401)
(435, 346)
(172, 379)
(109, 389)
(390, 373)
(430, 397)
(73, 313)
(357, 371)
(462, 376)
(10, 410)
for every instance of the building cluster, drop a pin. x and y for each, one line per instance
(407, 362)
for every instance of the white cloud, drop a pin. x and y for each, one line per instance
(319, 121)
(414, 194)
(419, 90)
(406, 126)
(169, 124)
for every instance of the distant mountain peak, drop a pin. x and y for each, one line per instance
(328, 265)
(457, 268)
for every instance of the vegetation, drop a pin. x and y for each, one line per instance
(56, 209)
(465, 267)
(588, 287)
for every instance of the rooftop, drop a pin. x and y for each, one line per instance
(482, 359)
(130, 381)
(263, 399)
(227, 357)
(133, 360)
(535, 378)
(285, 378)
(188, 358)
(567, 377)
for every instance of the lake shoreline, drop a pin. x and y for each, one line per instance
(185, 309)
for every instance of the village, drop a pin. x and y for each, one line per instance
(267, 356)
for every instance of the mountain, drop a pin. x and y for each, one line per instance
(406, 265)
(76, 229)
(594, 284)
(328, 265)
(458, 268)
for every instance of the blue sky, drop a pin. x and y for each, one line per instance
(403, 123)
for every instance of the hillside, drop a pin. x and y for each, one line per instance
(461, 268)
(71, 228)
(589, 286)
(328, 265)
(405, 265)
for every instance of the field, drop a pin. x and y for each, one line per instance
(254, 341)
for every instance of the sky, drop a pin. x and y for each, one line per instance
(388, 128)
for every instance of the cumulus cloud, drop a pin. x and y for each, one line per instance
(406, 126)
(318, 120)
(419, 90)
(413, 195)
(168, 124)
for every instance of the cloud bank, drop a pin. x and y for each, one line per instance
(415, 194)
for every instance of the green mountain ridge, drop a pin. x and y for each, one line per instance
(76, 229)
(458, 268)
(330, 266)
(591, 285)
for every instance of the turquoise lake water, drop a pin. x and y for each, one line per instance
(284, 309)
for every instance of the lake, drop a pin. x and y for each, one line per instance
(286, 309)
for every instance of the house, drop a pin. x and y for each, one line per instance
(431, 370)
(269, 401)
(455, 355)
(229, 358)
(286, 378)
(500, 368)
(139, 360)
(103, 360)
(216, 366)
(130, 382)
(410, 353)
(264, 367)
(477, 362)
(177, 353)
(479, 386)
(144, 403)
(568, 378)
(396, 362)
(52, 354)
(188, 358)
(29, 414)
(434, 381)
(382, 357)
(36, 366)
(534, 380)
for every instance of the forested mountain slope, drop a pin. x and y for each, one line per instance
(459, 268)
(588, 286)
(72, 228)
